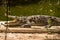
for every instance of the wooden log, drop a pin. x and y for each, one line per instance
(26, 36)
(31, 30)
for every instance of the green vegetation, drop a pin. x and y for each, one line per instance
(2, 11)
(51, 7)
(46, 8)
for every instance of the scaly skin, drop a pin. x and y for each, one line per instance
(34, 20)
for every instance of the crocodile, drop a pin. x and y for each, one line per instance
(34, 20)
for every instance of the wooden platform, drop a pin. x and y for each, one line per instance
(29, 36)
(32, 30)
(34, 33)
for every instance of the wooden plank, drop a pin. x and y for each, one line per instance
(26, 36)
(31, 30)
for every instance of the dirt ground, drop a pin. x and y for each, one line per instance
(28, 36)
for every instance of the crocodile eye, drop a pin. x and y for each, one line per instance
(50, 17)
(54, 18)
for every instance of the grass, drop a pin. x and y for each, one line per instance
(2, 11)
(33, 9)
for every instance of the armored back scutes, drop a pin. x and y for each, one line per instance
(36, 20)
